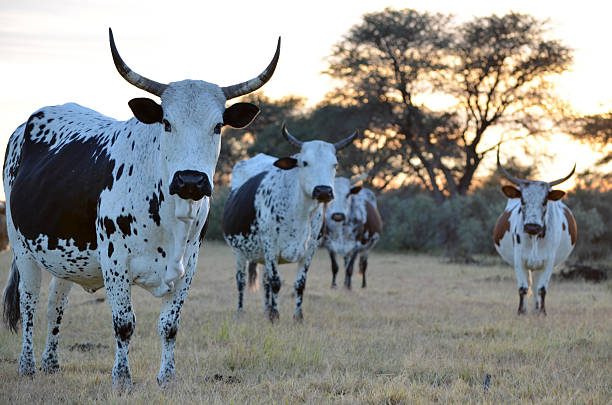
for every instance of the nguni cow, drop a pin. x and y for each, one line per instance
(352, 227)
(274, 214)
(106, 203)
(535, 233)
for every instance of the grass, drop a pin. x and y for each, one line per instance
(423, 331)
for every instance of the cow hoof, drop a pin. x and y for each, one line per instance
(273, 315)
(27, 367)
(334, 286)
(49, 365)
(122, 380)
(542, 312)
(298, 317)
(165, 379)
(521, 311)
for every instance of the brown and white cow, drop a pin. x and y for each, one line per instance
(535, 233)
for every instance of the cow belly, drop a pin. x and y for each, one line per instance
(80, 267)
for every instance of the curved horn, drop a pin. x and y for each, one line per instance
(132, 77)
(515, 180)
(292, 139)
(237, 90)
(559, 181)
(358, 178)
(346, 141)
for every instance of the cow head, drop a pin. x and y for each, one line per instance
(340, 208)
(189, 121)
(316, 164)
(534, 196)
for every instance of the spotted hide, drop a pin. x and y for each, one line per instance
(352, 227)
(274, 215)
(106, 203)
(535, 233)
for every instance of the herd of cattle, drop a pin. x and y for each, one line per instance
(131, 203)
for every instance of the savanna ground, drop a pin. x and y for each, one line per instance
(423, 331)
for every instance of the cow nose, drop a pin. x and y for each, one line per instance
(338, 216)
(190, 185)
(323, 194)
(532, 229)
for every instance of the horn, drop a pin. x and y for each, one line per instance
(292, 139)
(559, 181)
(148, 85)
(237, 90)
(359, 178)
(515, 180)
(346, 141)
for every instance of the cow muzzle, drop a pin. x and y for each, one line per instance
(338, 217)
(533, 229)
(190, 185)
(323, 194)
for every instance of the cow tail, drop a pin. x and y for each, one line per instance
(253, 279)
(11, 313)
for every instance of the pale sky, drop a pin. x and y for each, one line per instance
(53, 52)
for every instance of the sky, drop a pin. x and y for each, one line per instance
(53, 52)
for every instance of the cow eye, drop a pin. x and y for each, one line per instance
(217, 129)
(305, 163)
(167, 126)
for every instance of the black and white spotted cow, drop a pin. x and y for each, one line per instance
(352, 227)
(274, 214)
(106, 203)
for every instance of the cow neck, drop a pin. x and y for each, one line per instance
(303, 205)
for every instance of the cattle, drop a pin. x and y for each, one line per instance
(106, 203)
(352, 227)
(274, 215)
(535, 233)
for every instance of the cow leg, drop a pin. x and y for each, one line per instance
(541, 287)
(240, 279)
(118, 291)
(349, 262)
(300, 281)
(58, 298)
(267, 293)
(522, 281)
(274, 282)
(363, 266)
(334, 267)
(29, 289)
(168, 324)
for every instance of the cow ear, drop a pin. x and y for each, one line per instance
(286, 163)
(146, 110)
(554, 195)
(240, 115)
(355, 190)
(511, 192)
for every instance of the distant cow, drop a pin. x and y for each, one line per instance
(352, 227)
(275, 211)
(535, 233)
(106, 203)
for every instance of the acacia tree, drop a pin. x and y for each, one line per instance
(494, 68)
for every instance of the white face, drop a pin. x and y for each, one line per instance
(193, 114)
(317, 166)
(534, 199)
(338, 209)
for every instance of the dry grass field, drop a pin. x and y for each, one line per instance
(423, 331)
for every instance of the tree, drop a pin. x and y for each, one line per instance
(595, 130)
(495, 70)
